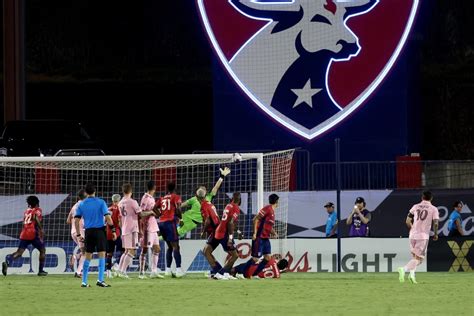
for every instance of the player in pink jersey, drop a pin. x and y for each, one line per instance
(80, 256)
(419, 220)
(150, 230)
(129, 213)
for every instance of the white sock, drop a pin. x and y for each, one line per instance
(168, 270)
(412, 273)
(179, 270)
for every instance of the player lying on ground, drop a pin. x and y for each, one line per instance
(224, 236)
(419, 221)
(168, 207)
(80, 256)
(32, 233)
(192, 217)
(150, 238)
(272, 269)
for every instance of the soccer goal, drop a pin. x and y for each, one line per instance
(56, 181)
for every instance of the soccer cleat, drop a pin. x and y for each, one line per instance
(156, 275)
(4, 268)
(122, 275)
(179, 274)
(85, 285)
(77, 275)
(102, 284)
(168, 274)
(219, 276)
(401, 275)
(412, 279)
(42, 273)
(142, 277)
(240, 276)
(227, 276)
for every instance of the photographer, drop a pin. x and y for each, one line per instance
(359, 219)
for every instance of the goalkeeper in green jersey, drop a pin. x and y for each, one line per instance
(192, 217)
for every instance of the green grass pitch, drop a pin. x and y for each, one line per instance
(293, 294)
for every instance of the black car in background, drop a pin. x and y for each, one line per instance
(47, 138)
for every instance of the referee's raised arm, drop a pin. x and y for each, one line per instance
(93, 210)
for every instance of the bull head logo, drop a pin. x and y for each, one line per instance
(283, 64)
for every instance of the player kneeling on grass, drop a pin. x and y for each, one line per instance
(192, 217)
(32, 233)
(224, 235)
(272, 269)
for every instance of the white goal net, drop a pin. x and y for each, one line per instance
(56, 181)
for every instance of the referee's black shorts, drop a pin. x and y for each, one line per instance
(95, 240)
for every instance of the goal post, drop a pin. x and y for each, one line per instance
(56, 181)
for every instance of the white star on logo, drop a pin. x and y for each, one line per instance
(305, 95)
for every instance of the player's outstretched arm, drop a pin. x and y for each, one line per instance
(224, 173)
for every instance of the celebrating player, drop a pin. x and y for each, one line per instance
(224, 235)
(262, 230)
(419, 221)
(150, 234)
(32, 233)
(113, 245)
(272, 269)
(81, 195)
(192, 217)
(169, 207)
(129, 212)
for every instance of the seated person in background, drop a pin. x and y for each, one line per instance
(359, 219)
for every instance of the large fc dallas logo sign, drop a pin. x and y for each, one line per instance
(308, 64)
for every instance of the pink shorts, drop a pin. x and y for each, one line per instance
(151, 240)
(130, 241)
(418, 247)
(76, 239)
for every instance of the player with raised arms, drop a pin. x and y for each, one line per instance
(80, 256)
(32, 233)
(192, 217)
(169, 209)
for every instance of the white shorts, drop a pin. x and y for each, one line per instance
(418, 247)
(76, 239)
(151, 239)
(130, 241)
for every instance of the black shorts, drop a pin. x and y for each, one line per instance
(113, 246)
(454, 233)
(95, 240)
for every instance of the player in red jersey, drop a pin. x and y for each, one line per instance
(32, 233)
(113, 245)
(262, 231)
(224, 235)
(211, 221)
(272, 269)
(168, 207)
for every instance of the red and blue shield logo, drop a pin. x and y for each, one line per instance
(308, 64)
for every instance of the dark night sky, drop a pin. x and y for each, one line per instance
(86, 59)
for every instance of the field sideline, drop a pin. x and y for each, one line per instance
(295, 293)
